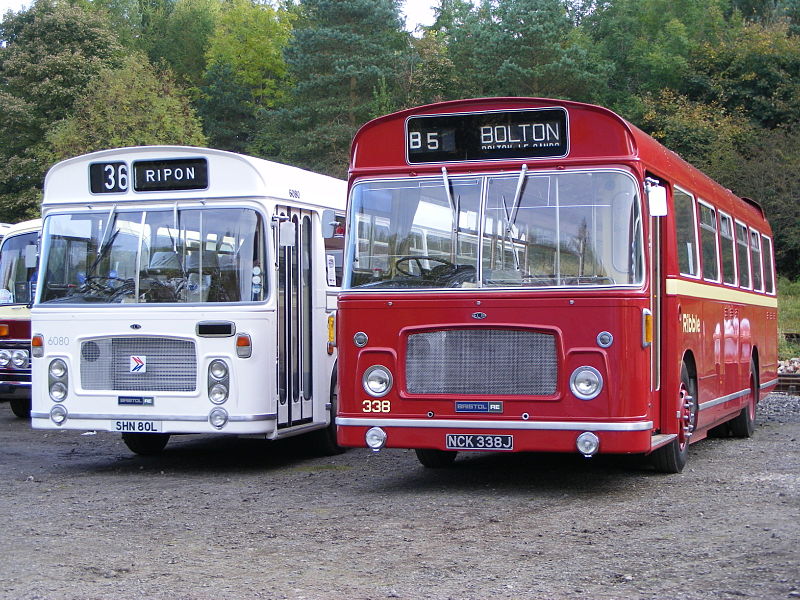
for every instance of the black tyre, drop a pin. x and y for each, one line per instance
(435, 459)
(21, 407)
(326, 438)
(672, 457)
(743, 425)
(146, 444)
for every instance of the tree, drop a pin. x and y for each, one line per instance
(523, 48)
(187, 33)
(227, 110)
(337, 57)
(48, 56)
(131, 106)
(755, 69)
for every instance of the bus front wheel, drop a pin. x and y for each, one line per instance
(672, 457)
(21, 407)
(435, 459)
(146, 444)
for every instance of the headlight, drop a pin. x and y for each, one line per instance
(58, 391)
(586, 382)
(5, 358)
(218, 393)
(377, 381)
(218, 369)
(20, 358)
(58, 368)
(218, 417)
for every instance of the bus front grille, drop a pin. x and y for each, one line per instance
(503, 362)
(138, 364)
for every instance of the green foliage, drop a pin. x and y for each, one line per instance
(250, 38)
(788, 316)
(226, 108)
(339, 52)
(188, 30)
(51, 53)
(131, 106)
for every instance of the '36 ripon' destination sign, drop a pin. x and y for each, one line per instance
(494, 135)
(165, 175)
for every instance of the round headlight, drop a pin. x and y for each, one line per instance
(58, 414)
(218, 417)
(377, 381)
(360, 339)
(218, 393)
(20, 358)
(375, 438)
(5, 358)
(58, 368)
(586, 382)
(58, 391)
(218, 369)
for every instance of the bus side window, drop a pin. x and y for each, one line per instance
(755, 261)
(769, 280)
(743, 255)
(728, 249)
(686, 233)
(334, 247)
(708, 242)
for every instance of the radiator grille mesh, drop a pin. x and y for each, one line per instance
(502, 362)
(171, 365)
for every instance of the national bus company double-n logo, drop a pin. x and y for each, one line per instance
(138, 364)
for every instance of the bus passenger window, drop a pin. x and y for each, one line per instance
(755, 260)
(728, 249)
(769, 280)
(708, 242)
(743, 256)
(686, 233)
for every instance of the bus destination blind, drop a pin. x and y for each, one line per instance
(499, 135)
(170, 175)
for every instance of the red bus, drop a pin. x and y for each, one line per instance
(527, 274)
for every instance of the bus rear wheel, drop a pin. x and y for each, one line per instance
(672, 457)
(435, 459)
(743, 425)
(146, 444)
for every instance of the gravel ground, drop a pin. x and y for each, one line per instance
(221, 518)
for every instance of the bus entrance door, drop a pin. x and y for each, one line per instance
(293, 248)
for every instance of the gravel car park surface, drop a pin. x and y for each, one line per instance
(219, 518)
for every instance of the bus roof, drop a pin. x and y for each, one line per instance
(597, 135)
(23, 227)
(229, 175)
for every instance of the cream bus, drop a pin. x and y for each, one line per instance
(187, 290)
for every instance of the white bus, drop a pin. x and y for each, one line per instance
(187, 290)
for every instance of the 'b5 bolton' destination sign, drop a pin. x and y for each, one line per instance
(497, 135)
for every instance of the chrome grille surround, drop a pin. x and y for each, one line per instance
(496, 362)
(171, 364)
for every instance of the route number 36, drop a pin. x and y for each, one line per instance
(376, 406)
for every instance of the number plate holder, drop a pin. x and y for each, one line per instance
(472, 441)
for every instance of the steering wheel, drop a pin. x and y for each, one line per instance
(451, 268)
